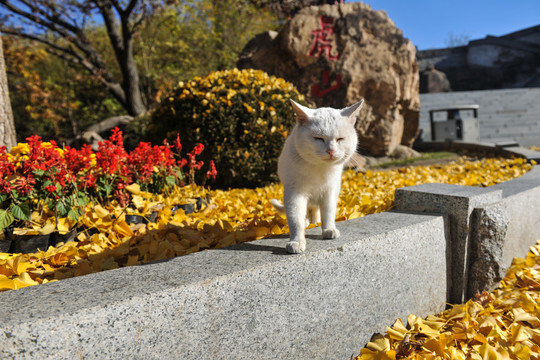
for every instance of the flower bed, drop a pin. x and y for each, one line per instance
(227, 218)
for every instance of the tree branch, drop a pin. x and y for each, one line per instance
(32, 17)
(56, 18)
(130, 7)
(53, 19)
(76, 37)
(112, 30)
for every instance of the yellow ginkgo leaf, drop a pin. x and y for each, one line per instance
(23, 280)
(6, 283)
(489, 352)
(101, 211)
(134, 188)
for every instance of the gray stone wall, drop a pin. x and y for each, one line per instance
(511, 114)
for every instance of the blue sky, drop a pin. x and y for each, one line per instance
(428, 24)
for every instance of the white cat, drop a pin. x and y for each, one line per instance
(310, 168)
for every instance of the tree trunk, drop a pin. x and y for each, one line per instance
(7, 126)
(135, 105)
(121, 38)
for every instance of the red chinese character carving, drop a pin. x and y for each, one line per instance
(316, 88)
(322, 41)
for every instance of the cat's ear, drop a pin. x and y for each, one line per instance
(352, 111)
(302, 113)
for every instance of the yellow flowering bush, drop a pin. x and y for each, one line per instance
(241, 115)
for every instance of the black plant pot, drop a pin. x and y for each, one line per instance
(191, 208)
(87, 231)
(29, 243)
(5, 244)
(140, 219)
(6, 239)
(134, 219)
(188, 208)
(57, 238)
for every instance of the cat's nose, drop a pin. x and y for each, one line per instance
(331, 152)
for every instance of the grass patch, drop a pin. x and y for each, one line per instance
(428, 156)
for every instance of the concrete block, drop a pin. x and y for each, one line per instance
(526, 153)
(457, 202)
(520, 186)
(488, 231)
(248, 301)
(504, 230)
(521, 198)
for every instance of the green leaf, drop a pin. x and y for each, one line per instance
(50, 204)
(83, 198)
(171, 180)
(39, 172)
(21, 211)
(6, 218)
(61, 209)
(73, 214)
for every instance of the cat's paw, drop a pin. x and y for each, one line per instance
(296, 247)
(330, 233)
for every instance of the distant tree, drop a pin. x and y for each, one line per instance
(63, 26)
(288, 8)
(58, 98)
(455, 40)
(7, 126)
(50, 96)
(195, 38)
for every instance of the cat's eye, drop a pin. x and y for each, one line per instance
(340, 139)
(318, 138)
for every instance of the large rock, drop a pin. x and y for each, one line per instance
(338, 54)
(433, 81)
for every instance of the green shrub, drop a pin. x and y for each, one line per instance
(242, 116)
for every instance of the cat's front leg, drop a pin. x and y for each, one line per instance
(295, 209)
(328, 215)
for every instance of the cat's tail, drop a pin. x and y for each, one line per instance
(278, 206)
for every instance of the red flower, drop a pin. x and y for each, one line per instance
(78, 160)
(193, 164)
(177, 143)
(24, 185)
(198, 149)
(212, 172)
(111, 157)
(50, 188)
(5, 186)
(89, 181)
